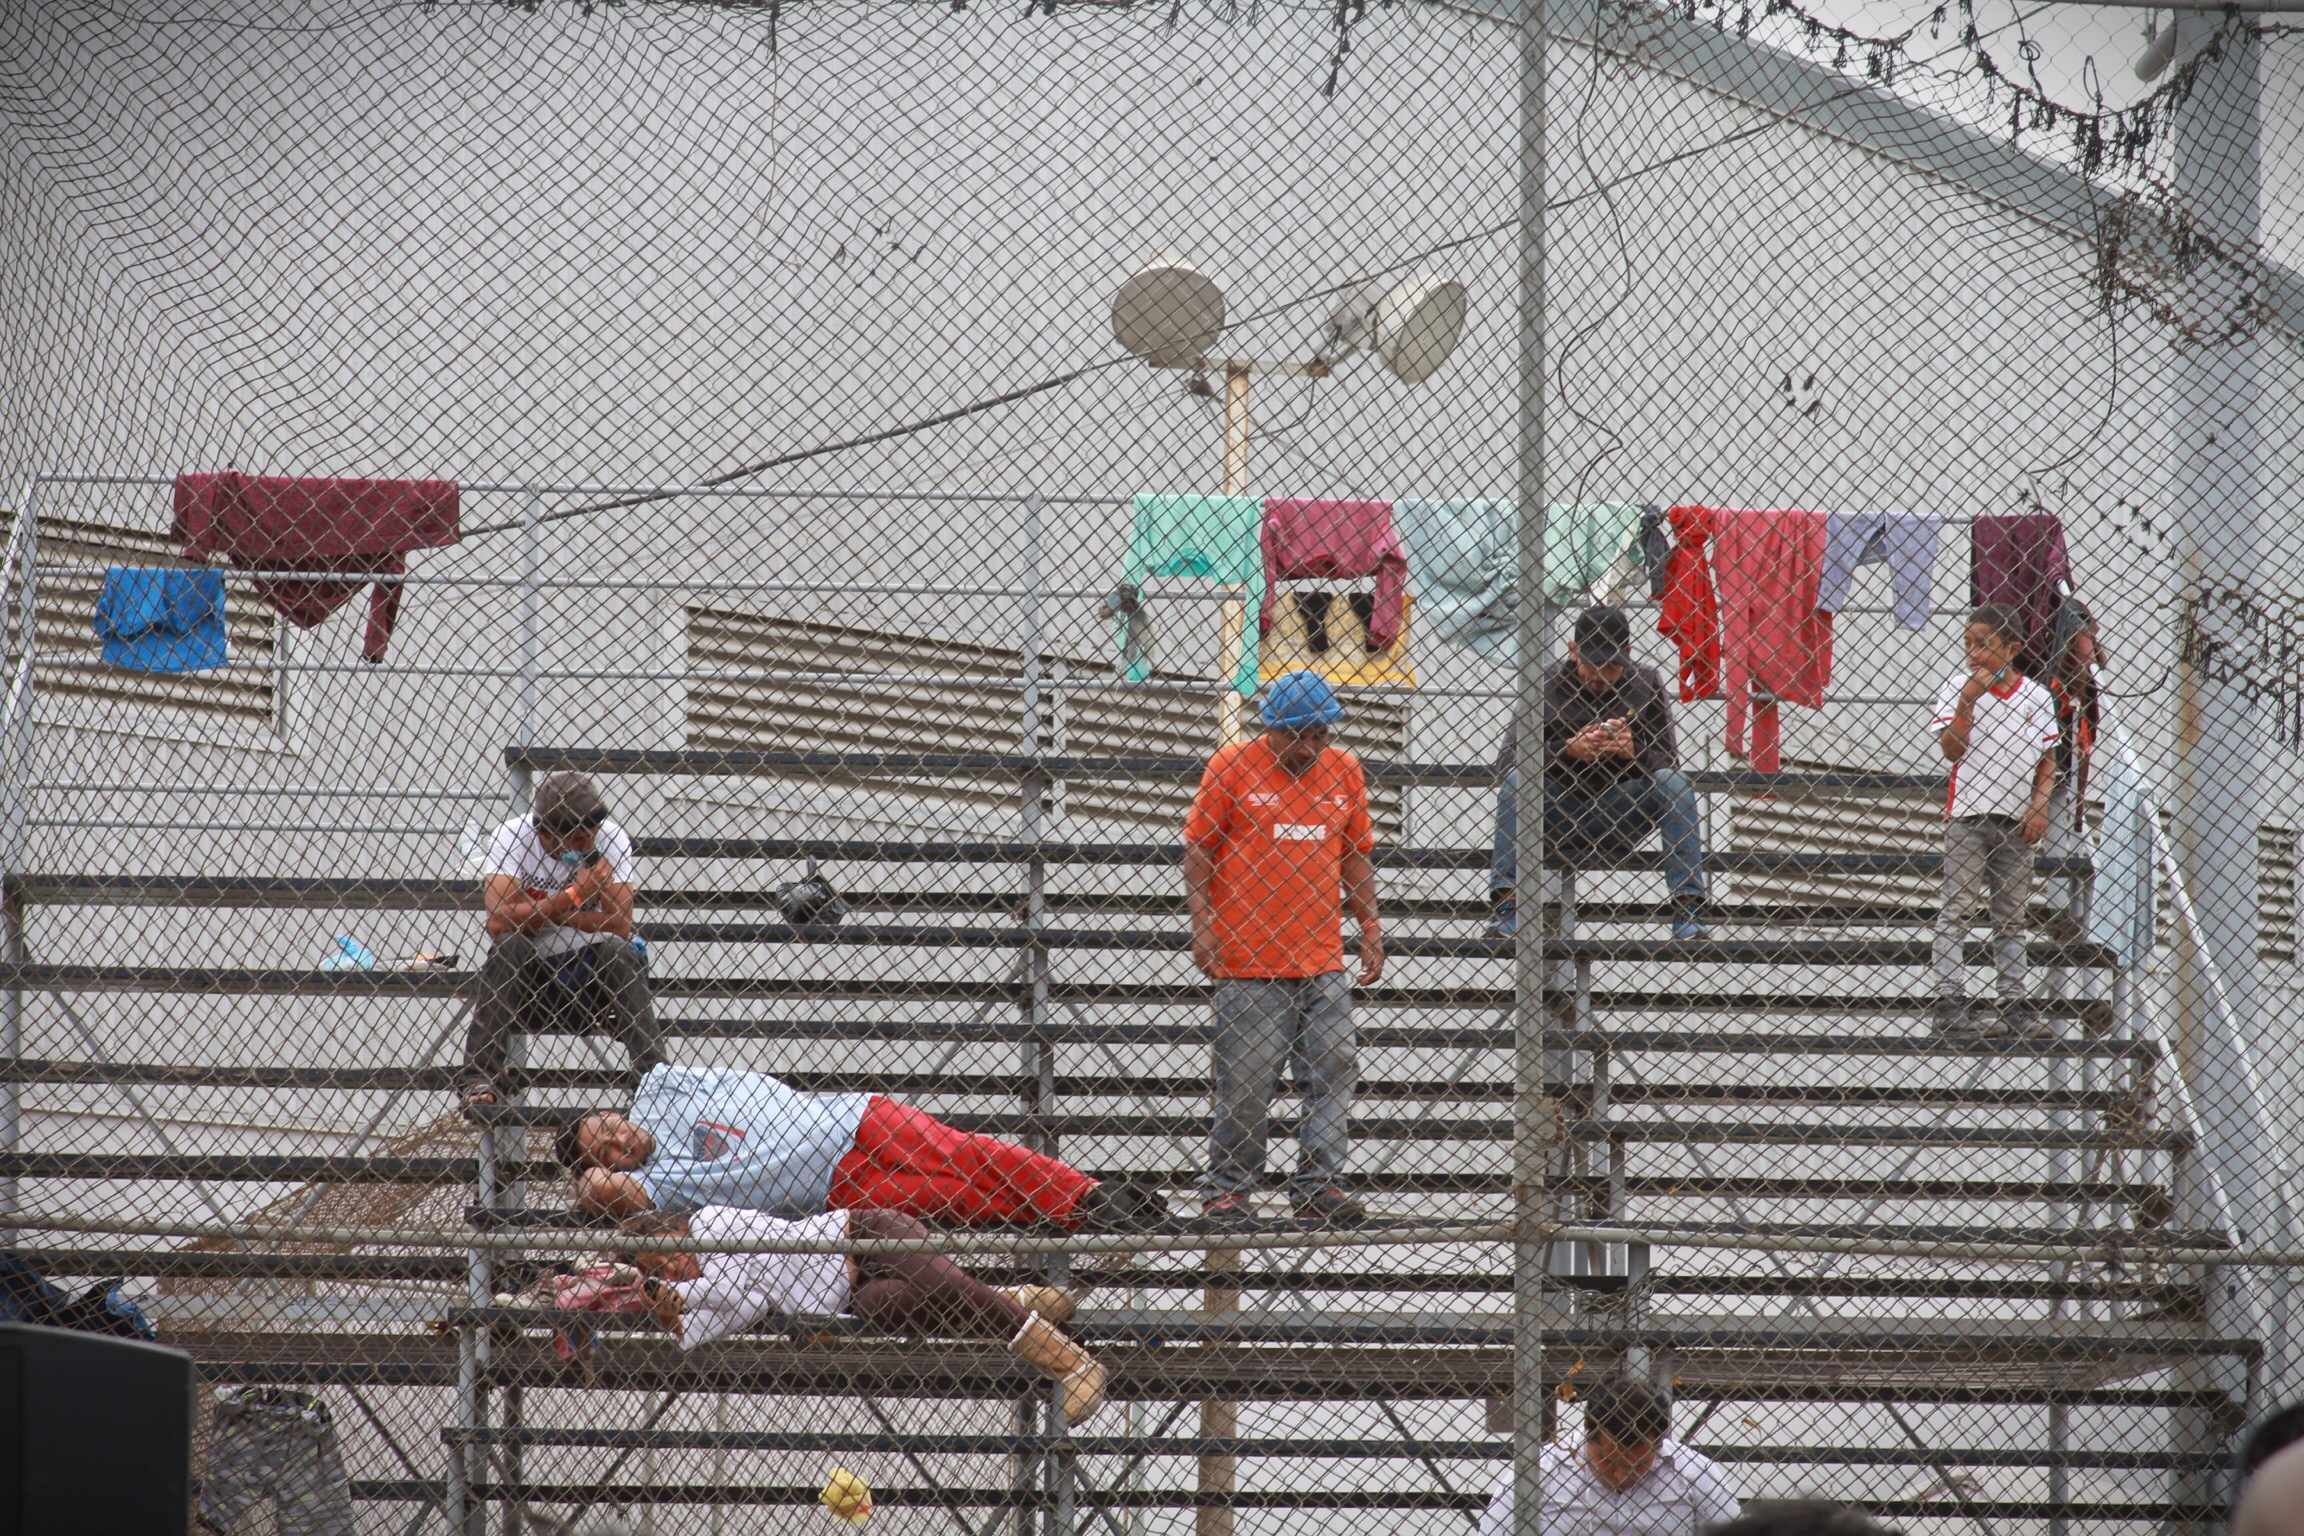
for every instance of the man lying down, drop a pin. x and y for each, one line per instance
(707, 1296)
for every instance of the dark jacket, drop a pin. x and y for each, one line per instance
(1638, 698)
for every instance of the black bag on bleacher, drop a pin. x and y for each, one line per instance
(27, 1296)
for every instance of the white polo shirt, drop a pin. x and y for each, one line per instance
(2015, 725)
(1683, 1494)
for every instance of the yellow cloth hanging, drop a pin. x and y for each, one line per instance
(1346, 661)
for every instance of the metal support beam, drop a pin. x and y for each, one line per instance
(1534, 1113)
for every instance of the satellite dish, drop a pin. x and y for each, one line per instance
(1417, 325)
(1168, 313)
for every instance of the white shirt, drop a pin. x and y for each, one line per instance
(514, 851)
(1683, 1494)
(2015, 725)
(737, 1290)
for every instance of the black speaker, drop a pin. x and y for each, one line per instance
(95, 1435)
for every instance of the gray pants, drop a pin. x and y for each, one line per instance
(1980, 853)
(602, 987)
(1262, 1027)
(277, 1444)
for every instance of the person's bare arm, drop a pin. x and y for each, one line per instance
(1360, 896)
(604, 1193)
(664, 1305)
(2035, 824)
(511, 909)
(1954, 737)
(1200, 901)
(614, 916)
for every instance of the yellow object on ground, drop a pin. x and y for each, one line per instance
(846, 1498)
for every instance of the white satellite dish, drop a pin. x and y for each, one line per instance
(1168, 313)
(1412, 326)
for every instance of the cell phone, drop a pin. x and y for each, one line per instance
(591, 857)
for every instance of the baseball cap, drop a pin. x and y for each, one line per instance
(1603, 637)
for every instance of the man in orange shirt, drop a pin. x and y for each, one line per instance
(1277, 841)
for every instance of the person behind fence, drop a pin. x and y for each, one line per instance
(2272, 1500)
(725, 1136)
(1997, 728)
(558, 891)
(1278, 832)
(1611, 774)
(2073, 685)
(703, 1297)
(1628, 1478)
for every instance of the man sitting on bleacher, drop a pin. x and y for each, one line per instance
(1611, 774)
(699, 1136)
(558, 890)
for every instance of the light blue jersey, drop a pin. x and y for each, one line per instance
(725, 1136)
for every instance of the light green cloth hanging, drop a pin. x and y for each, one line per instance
(1464, 562)
(1212, 536)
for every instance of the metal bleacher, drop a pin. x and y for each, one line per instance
(1776, 1082)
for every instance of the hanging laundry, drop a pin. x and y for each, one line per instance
(2016, 561)
(1773, 642)
(1690, 609)
(1212, 536)
(161, 620)
(277, 1446)
(352, 528)
(1904, 541)
(2123, 894)
(1465, 555)
(1327, 633)
(1335, 541)
(1655, 547)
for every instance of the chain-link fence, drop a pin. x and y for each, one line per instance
(920, 605)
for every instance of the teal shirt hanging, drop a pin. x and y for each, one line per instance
(1216, 537)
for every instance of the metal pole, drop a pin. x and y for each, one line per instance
(1534, 1114)
(16, 831)
(531, 638)
(1218, 1475)
(2217, 498)
(1039, 1059)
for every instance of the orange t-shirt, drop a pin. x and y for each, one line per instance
(1279, 841)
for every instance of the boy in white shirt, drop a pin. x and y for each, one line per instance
(704, 1297)
(1998, 729)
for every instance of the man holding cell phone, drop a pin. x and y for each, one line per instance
(562, 955)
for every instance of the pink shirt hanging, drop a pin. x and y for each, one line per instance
(355, 528)
(1308, 539)
(1767, 566)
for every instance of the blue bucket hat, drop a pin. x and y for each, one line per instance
(1298, 701)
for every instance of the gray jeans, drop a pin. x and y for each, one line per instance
(1262, 1027)
(275, 1444)
(1980, 853)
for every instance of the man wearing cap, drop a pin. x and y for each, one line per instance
(1277, 840)
(1611, 773)
(558, 890)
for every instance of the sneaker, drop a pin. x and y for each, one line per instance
(2014, 1019)
(1506, 922)
(1688, 925)
(1331, 1206)
(1230, 1209)
(1114, 1205)
(1953, 1019)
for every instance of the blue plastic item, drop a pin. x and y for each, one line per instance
(351, 955)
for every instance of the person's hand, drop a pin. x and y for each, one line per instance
(1620, 738)
(664, 1305)
(593, 879)
(1204, 949)
(1980, 682)
(1371, 954)
(1586, 744)
(2034, 826)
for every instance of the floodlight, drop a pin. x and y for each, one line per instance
(1417, 325)
(1168, 313)
(1412, 326)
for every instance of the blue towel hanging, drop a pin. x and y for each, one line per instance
(161, 620)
